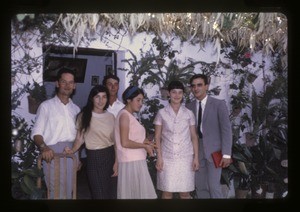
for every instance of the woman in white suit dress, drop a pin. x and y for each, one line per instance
(177, 152)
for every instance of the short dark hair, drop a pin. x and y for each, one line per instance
(65, 70)
(110, 76)
(202, 76)
(175, 85)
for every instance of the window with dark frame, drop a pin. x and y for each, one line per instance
(109, 70)
(53, 64)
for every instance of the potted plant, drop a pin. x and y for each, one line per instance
(267, 169)
(164, 50)
(138, 68)
(37, 94)
(172, 72)
(241, 169)
(257, 168)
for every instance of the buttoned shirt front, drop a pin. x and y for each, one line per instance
(55, 121)
(176, 136)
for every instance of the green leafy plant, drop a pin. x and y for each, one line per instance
(16, 97)
(258, 166)
(37, 91)
(138, 68)
(241, 166)
(24, 171)
(147, 115)
(238, 102)
(152, 106)
(164, 49)
(172, 72)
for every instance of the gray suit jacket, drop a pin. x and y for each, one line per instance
(216, 128)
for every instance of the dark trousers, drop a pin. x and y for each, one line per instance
(99, 172)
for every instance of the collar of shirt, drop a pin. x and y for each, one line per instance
(115, 107)
(57, 100)
(117, 102)
(203, 103)
(169, 109)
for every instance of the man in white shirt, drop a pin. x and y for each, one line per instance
(54, 128)
(112, 83)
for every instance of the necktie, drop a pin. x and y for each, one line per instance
(199, 120)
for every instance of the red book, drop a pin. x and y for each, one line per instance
(217, 157)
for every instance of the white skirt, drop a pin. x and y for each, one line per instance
(134, 181)
(177, 175)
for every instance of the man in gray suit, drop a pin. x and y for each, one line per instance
(214, 131)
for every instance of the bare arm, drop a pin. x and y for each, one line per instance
(115, 166)
(46, 152)
(126, 142)
(158, 129)
(194, 138)
(159, 162)
(77, 143)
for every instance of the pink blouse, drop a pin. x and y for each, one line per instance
(137, 133)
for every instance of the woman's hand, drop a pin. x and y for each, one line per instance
(147, 141)
(150, 147)
(115, 169)
(67, 150)
(195, 164)
(159, 164)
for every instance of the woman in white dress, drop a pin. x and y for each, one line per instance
(177, 146)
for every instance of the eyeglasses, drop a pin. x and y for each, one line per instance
(197, 85)
(63, 82)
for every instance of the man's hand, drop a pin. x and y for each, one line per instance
(47, 154)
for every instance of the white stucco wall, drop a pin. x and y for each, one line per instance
(143, 41)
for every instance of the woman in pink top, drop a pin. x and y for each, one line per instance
(134, 181)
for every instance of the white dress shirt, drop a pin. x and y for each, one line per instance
(115, 107)
(55, 121)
